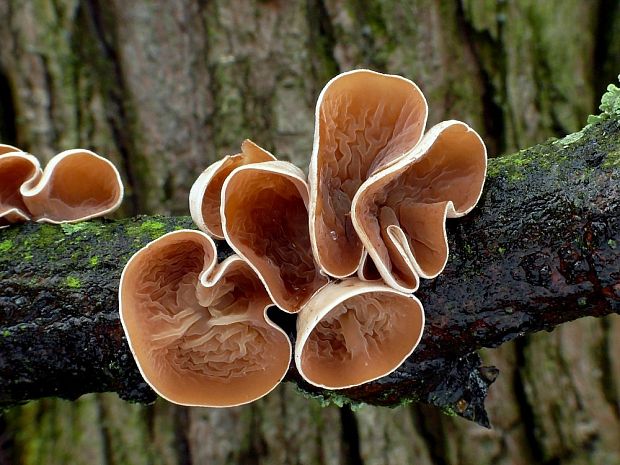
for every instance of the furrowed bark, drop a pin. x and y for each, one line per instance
(541, 249)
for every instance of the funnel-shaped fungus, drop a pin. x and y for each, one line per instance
(199, 331)
(205, 195)
(76, 185)
(265, 220)
(353, 332)
(16, 169)
(365, 121)
(399, 213)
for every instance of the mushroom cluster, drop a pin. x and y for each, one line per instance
(344, 250)
(76, 185)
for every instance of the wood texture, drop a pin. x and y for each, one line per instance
(163, 88)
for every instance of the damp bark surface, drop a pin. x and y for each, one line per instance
(542, 248)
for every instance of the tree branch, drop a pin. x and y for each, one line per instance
(541, 249)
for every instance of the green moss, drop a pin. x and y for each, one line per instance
(93, 261)
(327, 398)
(612, 160)
(6, 333)
(150, 228)
(571, 138)
(610, 104)
(73, 228)
(6, 245)
(73, 282)
(611, 243)
(510, 166)
(47, 235)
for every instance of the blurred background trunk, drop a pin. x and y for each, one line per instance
(164, 88)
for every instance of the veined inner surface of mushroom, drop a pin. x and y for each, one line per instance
(76, 185)
(16, 169)
(353, 332)
(265, 220)
(205, 195)
(365, 121)
(198, 330)
(400, 212)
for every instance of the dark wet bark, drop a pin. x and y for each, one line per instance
(542, 248)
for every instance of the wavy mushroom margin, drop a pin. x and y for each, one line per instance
(199, 331)
(353, 332)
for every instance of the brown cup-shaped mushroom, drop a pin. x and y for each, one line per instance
(365, 121)
(5, 148)
(199, 331)
(205, 195)
(400, 212)
(16, 169)
(265, 220)
(76, 185)
(352, 332)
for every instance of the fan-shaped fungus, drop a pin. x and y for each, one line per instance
(399, 213)
(205, 195)
(265, 220)
(199, 331)
(76, 185)
(352, 332)
(365, 121)
(16, 169)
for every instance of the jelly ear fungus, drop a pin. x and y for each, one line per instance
(265, 220)
(198, 330)
(365, 121)
(16, 169)
(352, 332)
(400, 212)
(76, 185)
(205, 195)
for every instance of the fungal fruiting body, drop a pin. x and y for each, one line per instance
(352, 332)
(16, 169)
(205, 195)
(376, 202)
(197, 329)
(76, 185)
(400, 212)
(265, 220)
(365, 121)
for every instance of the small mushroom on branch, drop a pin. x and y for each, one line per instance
(352, 332)
(199, 330)
(16, 169)
(76, 185)
(205, 195)
(365, 121)
(400, 212)
(265, 220)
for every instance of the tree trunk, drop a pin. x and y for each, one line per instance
(164, 88)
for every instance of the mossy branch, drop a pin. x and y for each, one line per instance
(541, 249)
